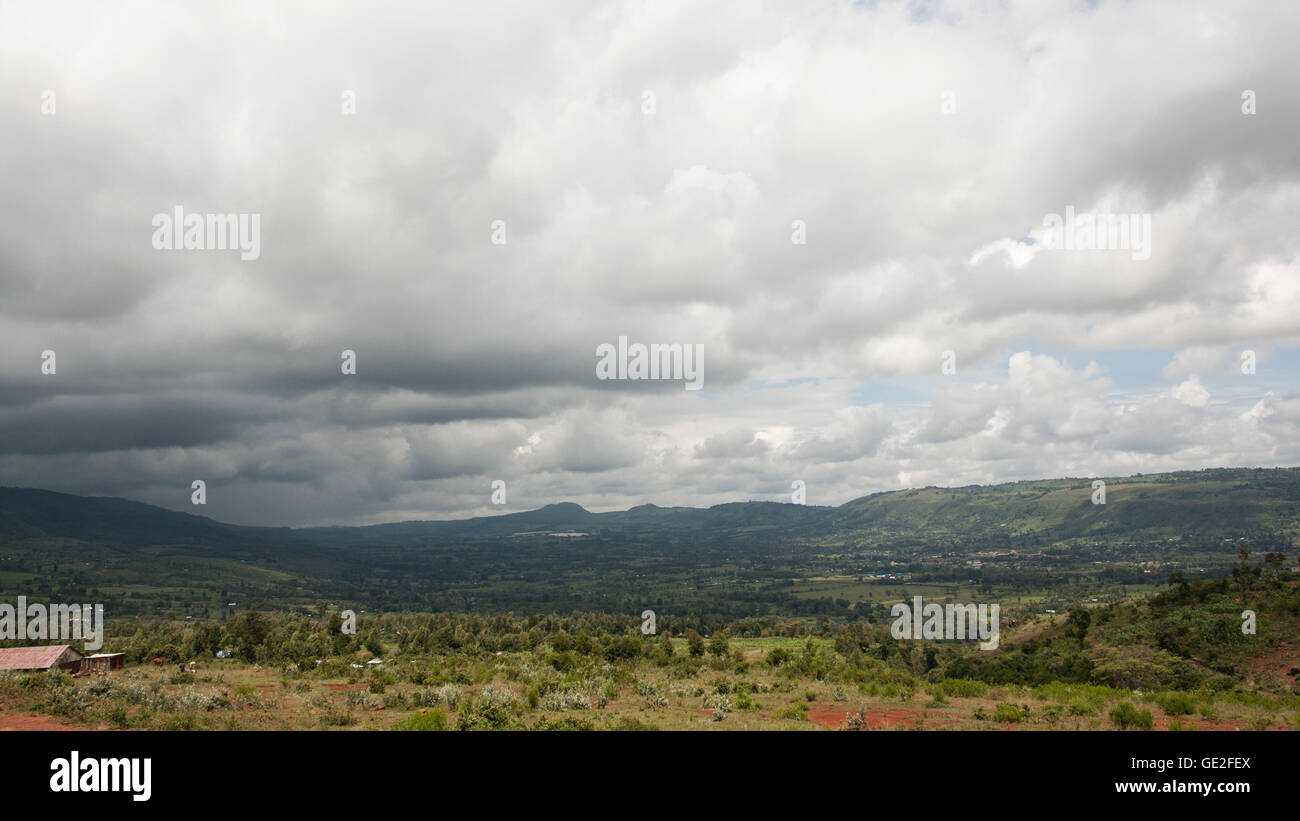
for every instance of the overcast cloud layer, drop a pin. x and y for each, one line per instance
(922, 145)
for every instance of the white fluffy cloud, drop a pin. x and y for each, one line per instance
(921, 146)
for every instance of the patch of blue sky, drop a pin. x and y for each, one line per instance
(767, 385)
(1129, 370)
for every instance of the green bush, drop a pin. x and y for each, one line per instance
(777, 656)
(744, 702)
(566, 723)
(964, 688)
(1126, 715)
(430, 720)
(1008, 713)
(1175, 704)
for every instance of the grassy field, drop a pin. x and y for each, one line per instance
(739, 691)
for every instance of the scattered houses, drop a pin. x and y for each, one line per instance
(40, 659)
(103, 662)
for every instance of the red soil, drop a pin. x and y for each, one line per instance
(41, 723)
(878, 719)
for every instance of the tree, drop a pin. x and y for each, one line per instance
(695, 642)
(248, 631)
(374, 643)
(718, 644)
(1243, 574)
(1078, 622)
(583, 643)
(666, 645)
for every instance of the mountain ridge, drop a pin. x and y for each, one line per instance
(1226, 497)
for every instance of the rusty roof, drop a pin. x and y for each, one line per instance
(32, 658)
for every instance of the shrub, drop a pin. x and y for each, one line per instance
(449, 694)
(424, 721)
(484, 716)
(364, 700)
(1008, 713)
(333, 718)
(645, 688)
(498, 696)
(1126, 715)
(964, 688)
(182, 721)
(565, 723)
(744, 702)
(570, 699)
(1175, 703)
(205, 700)
(718, 703)
(797, 710)
(777, 656)
(630, 723)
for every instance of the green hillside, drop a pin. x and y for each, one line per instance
(1042, 542)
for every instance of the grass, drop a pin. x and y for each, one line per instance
(231, 695)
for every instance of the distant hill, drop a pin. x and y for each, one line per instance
(1231, 501)
(32, 514)
(731, 560)
(1228, 501)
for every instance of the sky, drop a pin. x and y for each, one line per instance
(847, 206)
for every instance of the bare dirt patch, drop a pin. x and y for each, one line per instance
(39, 723)
(879, 719)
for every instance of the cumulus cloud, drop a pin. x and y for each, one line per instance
(650, 165)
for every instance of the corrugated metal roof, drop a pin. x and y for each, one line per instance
(32, 658)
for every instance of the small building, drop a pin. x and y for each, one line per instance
(40, 659)
(103, 662)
